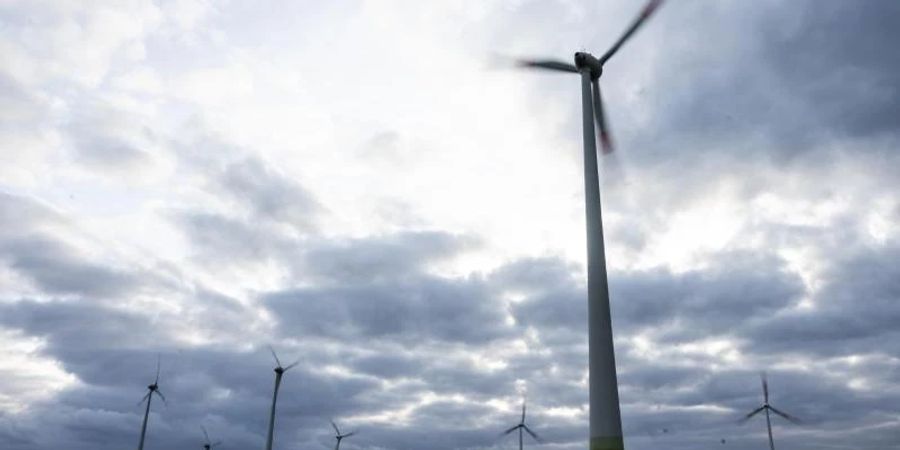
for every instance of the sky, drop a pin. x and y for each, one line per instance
(369, 188)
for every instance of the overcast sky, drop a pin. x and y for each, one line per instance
(361, 185)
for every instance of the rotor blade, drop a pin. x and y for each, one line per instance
(787, 416)
(532, 433)
(748, 416)
(510, 430)
(645, 13)
(161, 396)
(547, 64)
(523, 411)
(277, 361)
(205, 434)
(349, 434)
(291, 365)
(215, 444)
(158, 358)
(765, 385)
(336, 430)
(600, 117)
(144, 399)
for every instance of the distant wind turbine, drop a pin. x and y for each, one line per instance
(605, 418)
(767, 407)
(207, 444)
(522, 427)
(340, 436)
(279, 372)
(152, 389)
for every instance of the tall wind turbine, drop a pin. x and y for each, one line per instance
(152, 389)
(207, 445)
(279, 372)
(339, 436)
(606, 422)
(767, 407)
(522, 427)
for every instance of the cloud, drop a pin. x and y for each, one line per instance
(196, 181)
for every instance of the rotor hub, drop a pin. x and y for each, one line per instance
(585, 60)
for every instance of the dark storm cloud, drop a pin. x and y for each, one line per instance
(795, 76)
(384, 292)
(270, 208)
(268, 193)
(57, 269)
(856, 309)
(380, 288)
(28, 247)
(230, 239)
(106, 138)
(391, 256)
(737, 288)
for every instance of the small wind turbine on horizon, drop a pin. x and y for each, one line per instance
(339, 436)
(522, 427)
(207, 444)
(605, 418)
(767, 407)
(279, 372)
(152, 389)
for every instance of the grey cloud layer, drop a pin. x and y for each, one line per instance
(417, 330)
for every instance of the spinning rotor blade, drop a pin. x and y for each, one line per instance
(290, 366)
(532, 433)
(205, 434)
(547, 64)
(765, 385)
(787, 416)
(158, 357)
(336, 430)
(510, 430)
(645, 13)
(215, 444)
(748, 416)
(277, 361)
(162, 397)
(523, 412)
(600, 117)
(144, 399)
(349, 434)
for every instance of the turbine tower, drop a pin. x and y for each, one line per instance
(767, 407)
(279, 372)
(152, 389)
(605, 419)
(339, 436)
(207, 445)
(522, 427)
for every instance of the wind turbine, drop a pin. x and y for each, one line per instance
(152, 389)
(279, 372)
(207, 444)
(606, 422)
(767, 407)
(522, 427)
(340, 436)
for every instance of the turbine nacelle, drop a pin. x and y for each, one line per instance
(584, 60)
